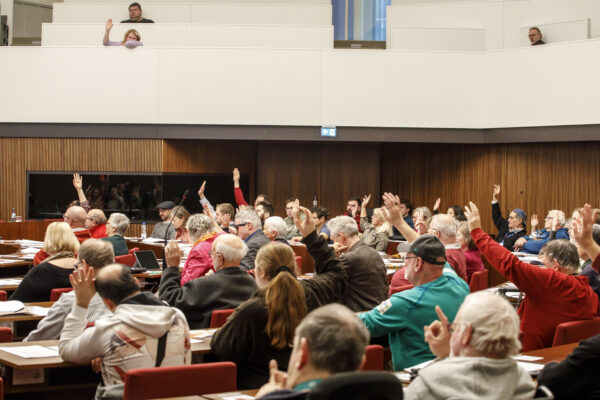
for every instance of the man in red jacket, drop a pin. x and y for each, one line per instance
(96, 223)
(552, 294)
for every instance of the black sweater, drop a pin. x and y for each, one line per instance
(39, 282)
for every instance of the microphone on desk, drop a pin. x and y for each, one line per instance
(185, 195)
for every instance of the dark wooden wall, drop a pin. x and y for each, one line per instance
(536, 177)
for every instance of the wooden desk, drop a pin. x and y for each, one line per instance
(9, 248)
(156, 248)
(28, 229)
(27, 317)
(219, 396)
(557, 353)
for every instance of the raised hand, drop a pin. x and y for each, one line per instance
(496, 192)
(307, 226)
(555, 220)
(109, 25)
(391, 212)
(582, 232)
(365, 201)
(82, 281)
(77, 181)
(437, 335)
(436, 206)
(472, 214)
(236, 177)
(534, 222)
(201, 190)
(173, 254)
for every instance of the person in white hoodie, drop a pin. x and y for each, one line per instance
(142, 332)
(475, 354)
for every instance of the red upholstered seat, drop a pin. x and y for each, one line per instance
(374, 358)
(6, 335)
(187, 380)
(479, 281)
(574, 331)
(55, 293)
(219, 317)
(396, 289)
(127, 259)
(299, 266)
(3, 295)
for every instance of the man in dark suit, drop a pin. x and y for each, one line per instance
(249, 229)
(198, 298)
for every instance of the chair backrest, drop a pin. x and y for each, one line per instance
(361, 385)
(574, 331)
(219, 317)
(396, 289)
(127, 259)
(6, 336)
(374, 358)
(3, 295)
(55, 293)
(132, 251)
(185, 380)
(542, 392)
(479, 281)
(299, 266)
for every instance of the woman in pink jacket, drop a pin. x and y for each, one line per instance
(202, 233)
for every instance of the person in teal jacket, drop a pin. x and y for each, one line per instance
(404, 315)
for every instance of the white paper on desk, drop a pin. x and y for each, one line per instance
(5, 261)
(28, 257)
(29, 250)
(37, 310)
(29, 243)
(153, 240)
(192, 340)
(530, 367)
(202, 333)
(403, 376)
(419, 366)
(34, 351)
(12, 306)
(523, 357)
(7, 282)
(237, 397)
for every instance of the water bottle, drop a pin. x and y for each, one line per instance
(315, 201)
(13, 216)
(143, 235)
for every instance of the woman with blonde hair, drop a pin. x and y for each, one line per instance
(262, 328)
(131, 39)
(376, 234)
(62, 246)
(202, 233)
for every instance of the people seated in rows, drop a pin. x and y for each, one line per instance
(226, 288)
(96, 223)
(534, 242)
(239, 195)
(367, 283)
(94, 254)
(404, 314)
(264, 210)
(576, 376)
(291, 231)
(376, 234)
(471, 252)
(131, 39)
(510, 229)
(250, 231)
(330, 340)
(179, 215)
(535, 36)
(319, 216)
(62, 246)
(454, 211)
(406, 208)
(474, 354)
(586, 268)
(275, 229)
(160, 229)
(202, 233)
(116, 226)
(223, 214)
(353, 210)
(130, 338)
(135, 15)
(552, 295)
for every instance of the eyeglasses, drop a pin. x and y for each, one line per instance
(238, 225)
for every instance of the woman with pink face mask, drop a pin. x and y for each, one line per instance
(131, 39)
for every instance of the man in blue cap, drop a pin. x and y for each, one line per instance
(511, 228)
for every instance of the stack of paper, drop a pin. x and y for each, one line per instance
(34, 351)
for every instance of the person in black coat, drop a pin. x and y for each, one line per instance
(511, 228)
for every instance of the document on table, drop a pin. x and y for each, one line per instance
(34, 351)
(10, 282)
(9, 307)
(532, 368)
(37, 310)
(523, 357)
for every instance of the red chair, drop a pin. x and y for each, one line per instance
(396, 289)
(479, 281)
(219, 317)
(6, 336)
(374, 358)
(574, 331)
(299, 266)
(127, 259)
(132, 251)
(3, 295)
(55, 293)
(186, 380)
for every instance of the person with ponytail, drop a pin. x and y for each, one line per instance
(262, 328)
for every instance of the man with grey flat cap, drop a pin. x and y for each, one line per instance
(164, 210)
(403, 316)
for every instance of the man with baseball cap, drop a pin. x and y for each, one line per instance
(164, 210)
(404, 315)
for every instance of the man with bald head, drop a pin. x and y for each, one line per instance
(142, 331)
(198, 298)
(76, 216)
(95, 222)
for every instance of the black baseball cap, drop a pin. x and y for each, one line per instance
(166, 205)
(430, 249)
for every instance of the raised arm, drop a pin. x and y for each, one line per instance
(499, 221)
(109, 26)
(392, 214)
(582, 232)
(204, 201)
(237, 191)
(78, 185)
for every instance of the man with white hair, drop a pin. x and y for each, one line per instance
(367, 283)
(116, 226)
(198, 298)
(443, 226)
(533, 243)
(275, 229)
(476, 348)
(249, 229)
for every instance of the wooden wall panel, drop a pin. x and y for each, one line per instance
(18, 155)
(287, 170)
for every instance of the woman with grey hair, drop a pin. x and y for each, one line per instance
(376, 234)
(203, 234)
